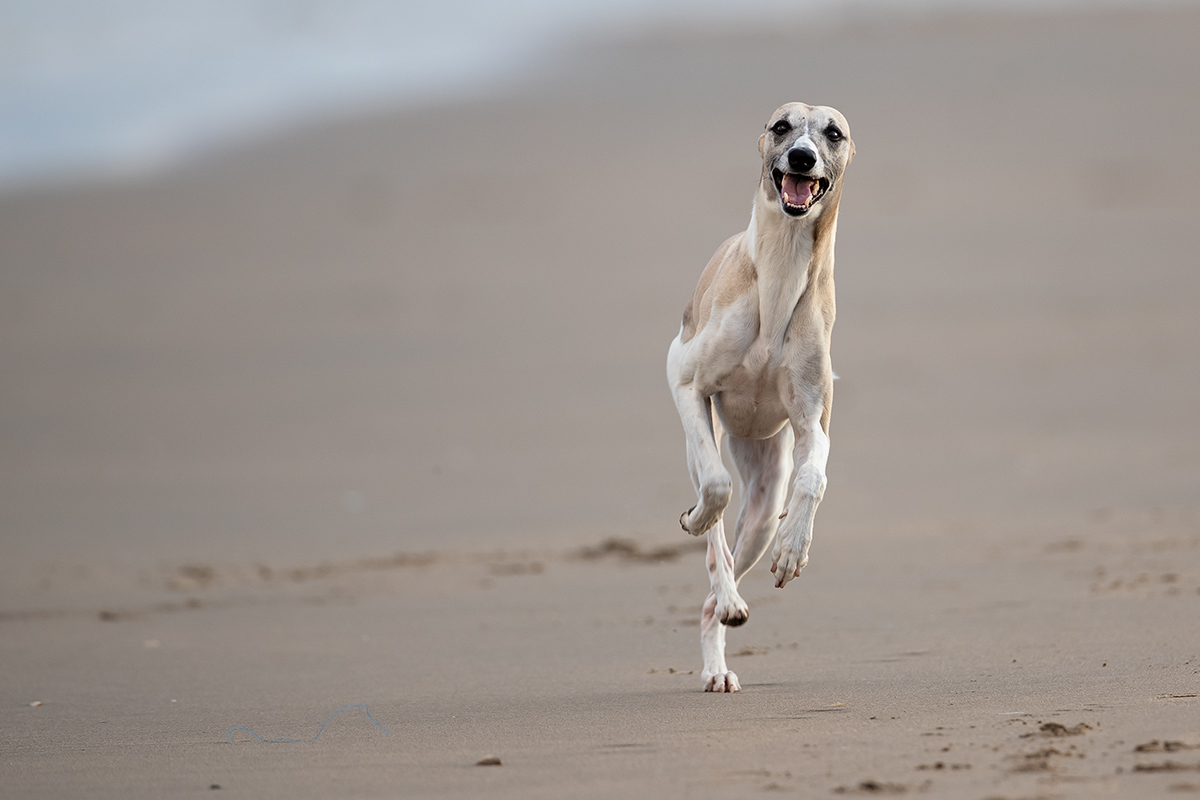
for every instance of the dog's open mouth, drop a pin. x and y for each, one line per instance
(798, 192)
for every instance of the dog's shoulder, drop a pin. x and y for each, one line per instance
(729, 275)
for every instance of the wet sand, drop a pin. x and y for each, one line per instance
(349, 418)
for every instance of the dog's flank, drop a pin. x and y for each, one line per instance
(751, 366)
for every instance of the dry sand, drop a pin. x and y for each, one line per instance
(232, 394)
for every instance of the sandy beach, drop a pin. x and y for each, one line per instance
(375, 413)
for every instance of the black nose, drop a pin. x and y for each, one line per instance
(801, 159)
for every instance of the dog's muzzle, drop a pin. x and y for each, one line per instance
(798, 193)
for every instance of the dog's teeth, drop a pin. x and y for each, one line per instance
(786, 199)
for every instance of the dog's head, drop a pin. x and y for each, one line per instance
(805, 150)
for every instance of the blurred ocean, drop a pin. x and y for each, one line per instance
(92, 88)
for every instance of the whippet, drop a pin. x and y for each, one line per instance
(751, 365)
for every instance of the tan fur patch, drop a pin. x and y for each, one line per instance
(728, 287)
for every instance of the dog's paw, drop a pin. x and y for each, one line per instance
(733, 613)
(786, 563)
(721, 682)
(714, 498)
(697, 520)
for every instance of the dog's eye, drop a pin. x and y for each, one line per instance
(781, 127)
(833, 133)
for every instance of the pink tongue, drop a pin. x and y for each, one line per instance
(798, 191)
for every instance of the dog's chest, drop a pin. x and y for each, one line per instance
(750, 398)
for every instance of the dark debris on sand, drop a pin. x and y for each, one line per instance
(630, 551)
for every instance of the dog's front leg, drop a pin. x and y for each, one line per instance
(714, 486)
(712, 481)
(810, 455)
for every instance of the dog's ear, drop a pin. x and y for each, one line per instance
(762, 143)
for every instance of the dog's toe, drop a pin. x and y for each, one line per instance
(734, 615)
(722, 682)
(787, 564)
(736, 619)
(684, 517)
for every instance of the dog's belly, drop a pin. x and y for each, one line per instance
(750, 407)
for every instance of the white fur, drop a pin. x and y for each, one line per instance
(717, 378)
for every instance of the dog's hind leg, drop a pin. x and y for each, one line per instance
(731, 609)
(716, 675)
(764, 466)
(723, 606)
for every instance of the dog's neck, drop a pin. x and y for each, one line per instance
(790, 255)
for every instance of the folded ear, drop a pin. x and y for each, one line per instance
(762, 143)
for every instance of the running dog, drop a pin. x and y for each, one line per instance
(751, 366)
